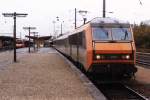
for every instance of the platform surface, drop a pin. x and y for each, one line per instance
(43, 75)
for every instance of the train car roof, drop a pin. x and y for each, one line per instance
(62, 37)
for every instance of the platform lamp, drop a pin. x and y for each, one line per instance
(29, 28)
(14, 15)
(83, 13)
(37, 36)
(61, 25)
(34, 34)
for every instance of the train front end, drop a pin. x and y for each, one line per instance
(113, 48)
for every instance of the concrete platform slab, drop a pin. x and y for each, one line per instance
(42, 76)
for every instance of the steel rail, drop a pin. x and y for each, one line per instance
(136, 93)
(142, 62)
(143, 58)
(120, 91)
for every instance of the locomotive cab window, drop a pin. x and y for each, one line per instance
(111, 33)
(121, 34)
(101, 33)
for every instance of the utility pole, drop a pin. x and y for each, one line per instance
(75, 22)
(14, 15)
(34, 38)
(29, 28)
(104, 8)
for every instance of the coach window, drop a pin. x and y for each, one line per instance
(81, 39)
(73, 39)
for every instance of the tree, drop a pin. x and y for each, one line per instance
(142, 35)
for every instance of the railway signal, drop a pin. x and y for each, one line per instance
(14, 15)
(29, 28)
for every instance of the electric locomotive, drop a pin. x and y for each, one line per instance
(102, 45)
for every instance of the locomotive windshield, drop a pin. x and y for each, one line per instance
(113, 33)
(121, 34)
(101, 34)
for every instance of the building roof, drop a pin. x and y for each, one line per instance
(41, 37)
(6, 37)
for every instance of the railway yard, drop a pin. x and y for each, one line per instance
(33, 78)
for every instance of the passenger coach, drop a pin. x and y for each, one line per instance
(103, 45)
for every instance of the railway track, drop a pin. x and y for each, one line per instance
(118, 91)
(143, 58)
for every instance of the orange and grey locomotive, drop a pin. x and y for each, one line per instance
(102, 45)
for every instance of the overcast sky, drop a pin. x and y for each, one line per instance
(41, 13)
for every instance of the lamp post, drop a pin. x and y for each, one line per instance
(61, 26)
(83, 13)
(14, 15)
(29, 28)
(140, 2)
(37, 41)
(54, 27)
(20, 35)
(34, 38)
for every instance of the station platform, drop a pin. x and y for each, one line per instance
(45, 75)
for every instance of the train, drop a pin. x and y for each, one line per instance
(103, 46)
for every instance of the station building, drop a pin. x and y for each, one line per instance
(6, 42)
(40, 41)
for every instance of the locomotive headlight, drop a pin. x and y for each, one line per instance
(98, 57)
(127, 56)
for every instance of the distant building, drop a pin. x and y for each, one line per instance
(40, 41)
(6, 42)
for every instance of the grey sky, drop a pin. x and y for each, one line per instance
(41, 13)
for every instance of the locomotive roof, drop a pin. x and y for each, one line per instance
(107, 20)
(97, 21)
